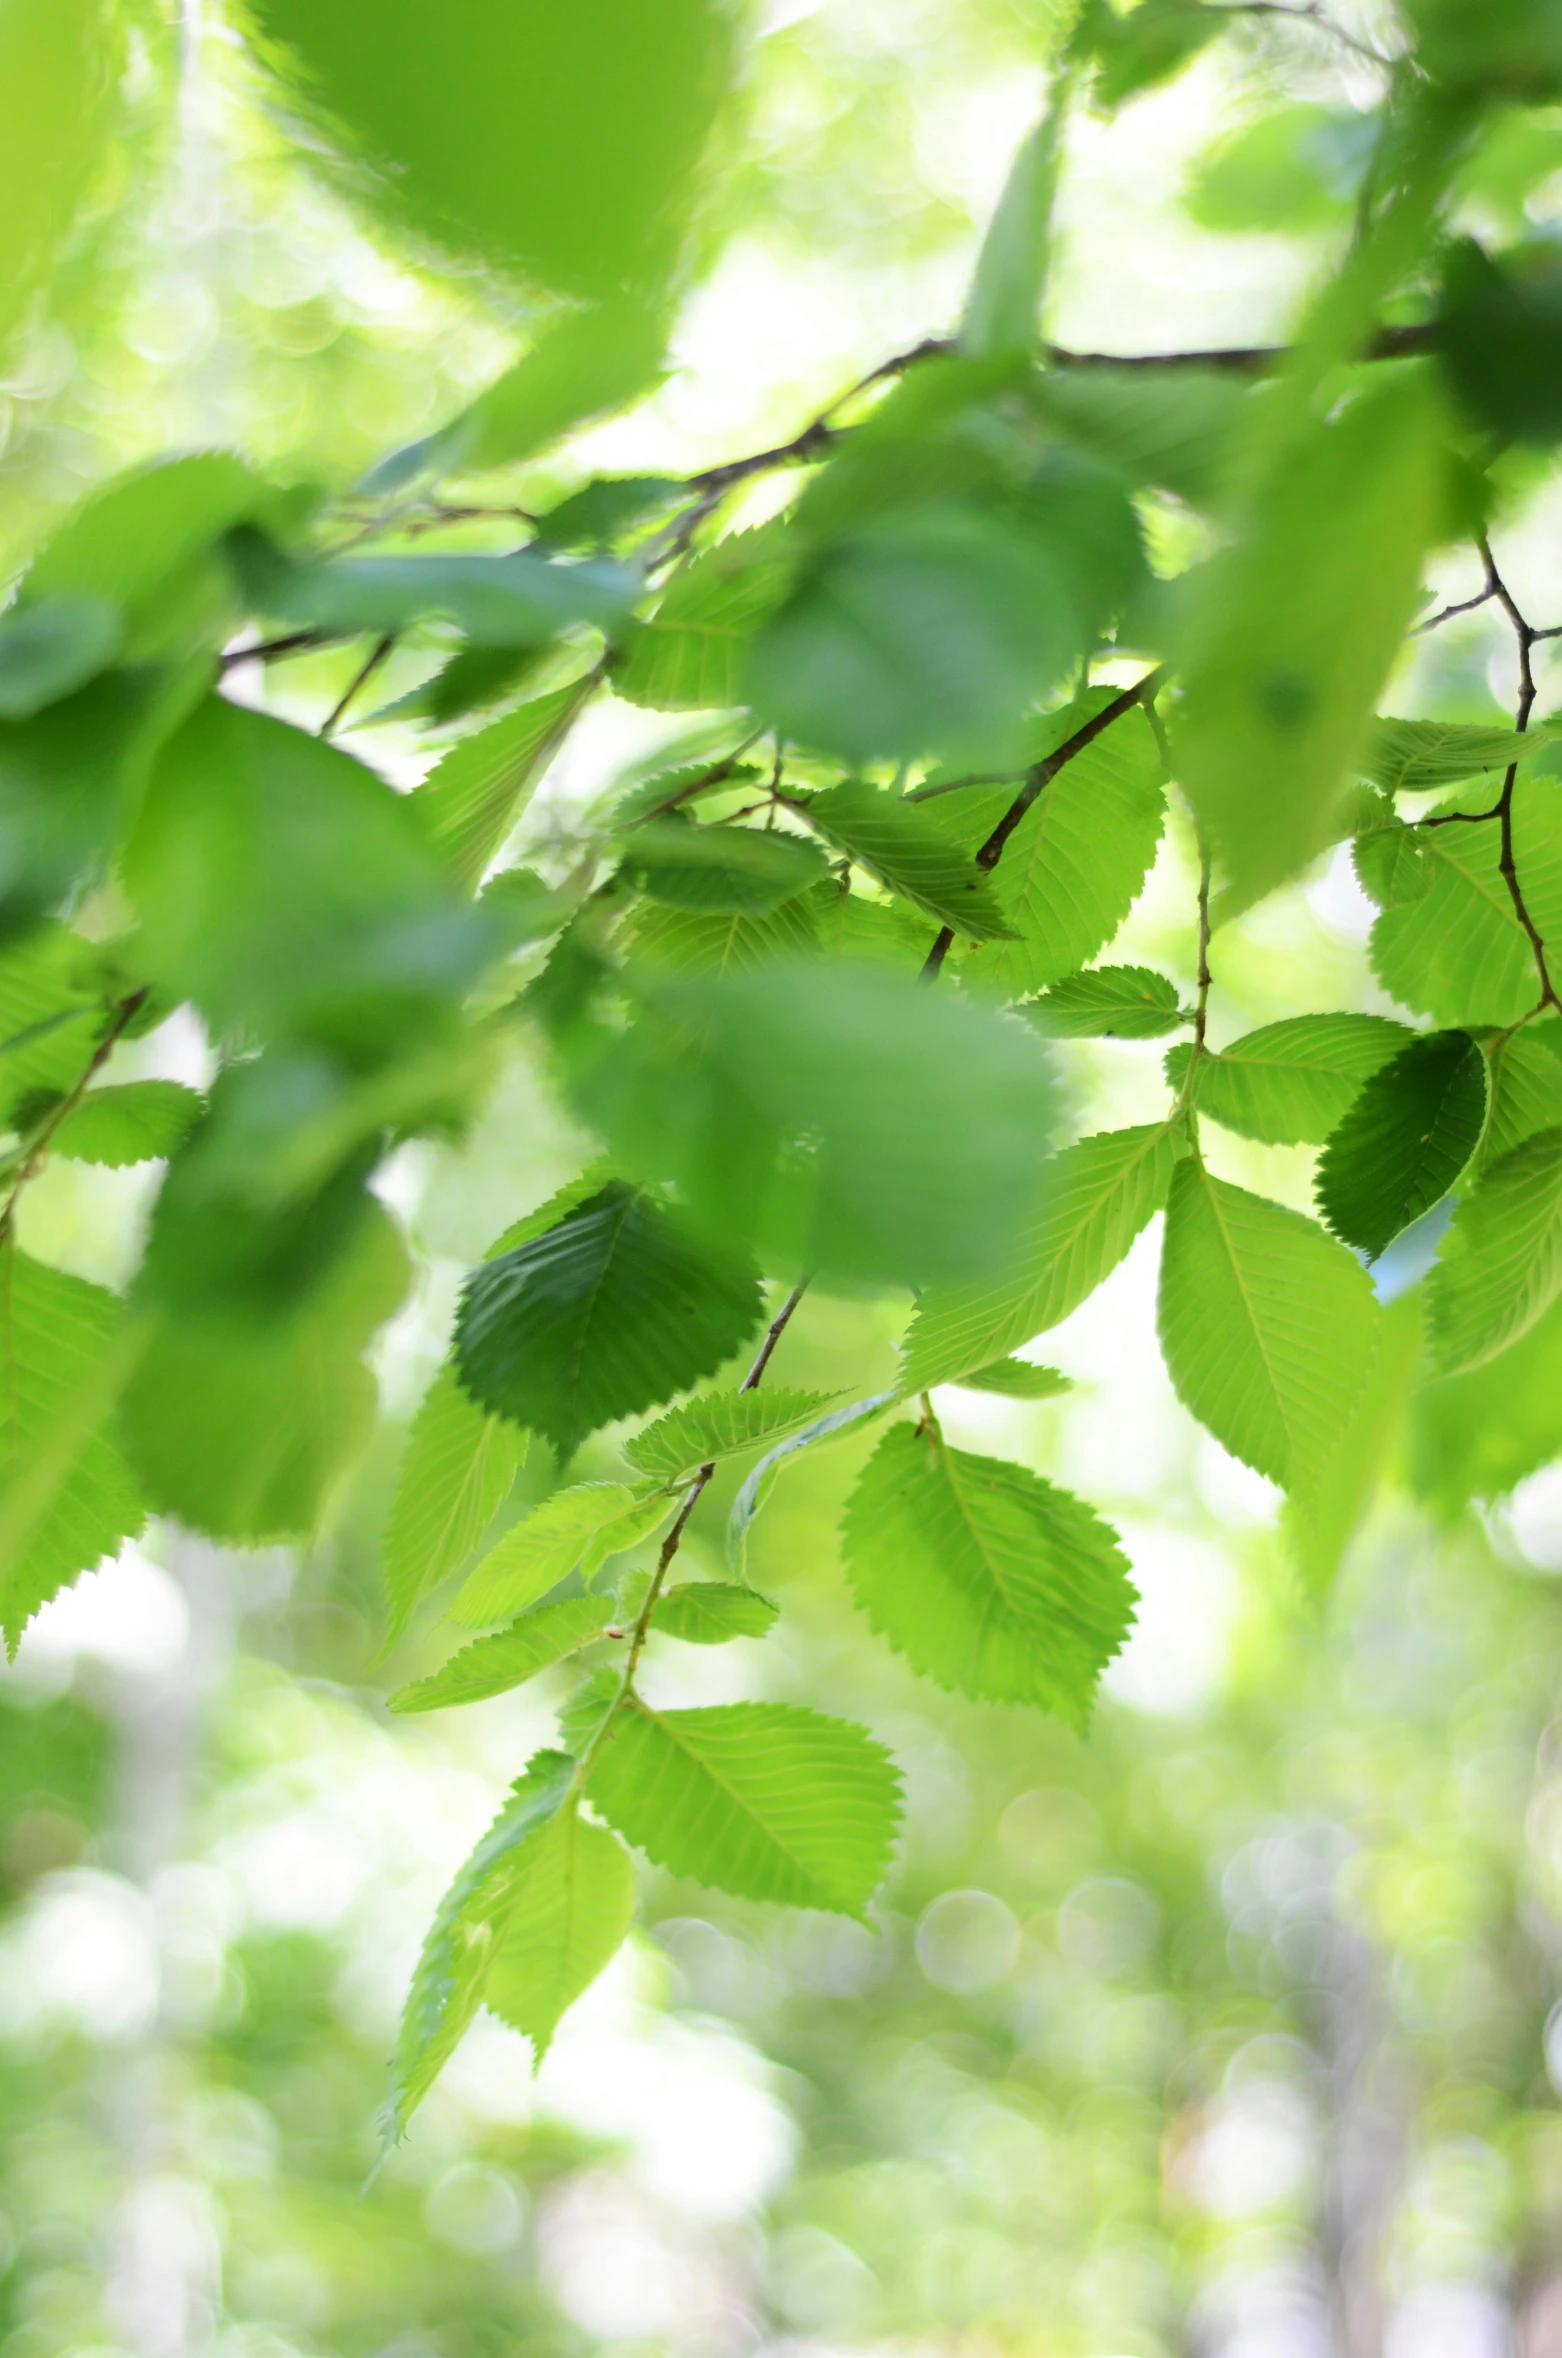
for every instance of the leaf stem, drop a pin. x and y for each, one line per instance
(371, 663)
(124, 1014)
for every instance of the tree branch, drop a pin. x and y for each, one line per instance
(38, 1146)
(1503, 811)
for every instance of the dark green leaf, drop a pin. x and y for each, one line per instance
(1405, 1140)
(615, 1309)
(1292, 1082)
(721, 871)
(1501, 337)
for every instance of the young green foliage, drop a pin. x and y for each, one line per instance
(718, 1425)
(1501, 1263)
(1290, 1083)
(492, 1665)
(710, 1612)
(569, 1915)
(1108, 1002)
(542, 1549)
(458, 1467)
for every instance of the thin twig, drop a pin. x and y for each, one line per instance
(297, 642)
(1465, 606)
(1309, 13)
(124, 1014)
(1039, 776)
(1503, 811)
(360, 679)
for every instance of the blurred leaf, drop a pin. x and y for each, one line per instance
(557, 144)
(615, 1309)
(1477, 1435)
(1404, 1142)
(718, 1425)
(540, 1550)
(760, 1799)
(1074, 865)
(692, 652)
(1295, 169)
(607, 508)
(1268, 1327)
(475, 793)
(1319, 1534)
(1421, 756)
(986, 1578)
(1003, 308)
(58, 1356)
(1093, 1199)
(60, 66)
(516, 600)
(1016, 1379)
(282, 885)
(455, 1475)
(1501, 1263)
(51, 1014)
(245, 1432)
(723, 871)
(1293, 629)
(1292, 1082)
(1149, 45)
(1176, 428)
(492, 1665)
(572, 1912)
(1456, 951)
(468, 1928)
(709, 1612)
(1110, 1002)
(904, 846)
(1500, 336)
(581, 368)
(135, 1122)
(840, 1118)
(51, 647)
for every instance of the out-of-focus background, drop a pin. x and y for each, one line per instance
(1226, 2030)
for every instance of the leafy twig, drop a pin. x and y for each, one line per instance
(1526, 636)
(38, 1146)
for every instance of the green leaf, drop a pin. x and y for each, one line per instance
(1074, 866)
(691, 653)
(1016, 1379)
(906, 848)
(474, 794)
(1477, 1435)
(627, 1530)
(839, 1117)
(1094, 1199)
(61, 62)
(1499, 335)
(246, 1431)
(455, 1475)
(51, 647)
(1003, 309)
(542, 1549)
(1110, 1002)
(612, 1311)
(758, 1483)
(729, 871)
(1525, 1071)
(1423, 756)
(1294, 627)
(1137, 51)
(986, 1578)
(134, 1122)
(582, 367)
(1176, 428)
(709, 1612)
(1289, 1083)
(147, 541)
(58, 1336)
(611, 508)
(571, 1913)
(1456, 951)
(558, 145)
(469, 1923)
(685, 941)
(718, 1425)
(1404, 1142)
(1393, 864)
(884, 932)
(1501, 1261)
(1320, 1533)
(52, 1015)
(492, 1665)
(1267, 1327)
(763, 1800)
(282, 885)
(517, 600)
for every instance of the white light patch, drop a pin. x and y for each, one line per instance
(1175, 1660)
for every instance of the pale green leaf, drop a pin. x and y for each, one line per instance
(718, 1425)
(1292, 1082)
(625, 1531)
(52, 1014)
(1268, 1327)
(1525, 1071)
(903, 845)
(458, 1467)
(725, 871)
(1422, 756)
(1478, 1434)
(492, 1665)
(757, 1484)
(687, 941)
(1016, 1379)
(571, 1911)
(133, 1122)
(1320, 1532)
(474, 794)
(764, 1800)
(1294, 627)
(583, 366)
(709, 1612)
(987, 1579)
(538, 1552)
(460, 1945)
(61, 63)
(1501, 1263)
(1456, 951)
(1108, 1002)
(1003, 309)
(1094, 1199)
(610, 1312)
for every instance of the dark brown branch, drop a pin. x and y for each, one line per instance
(38, 1146)
(297, 642)
(1507, 866)
(360, 679)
